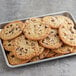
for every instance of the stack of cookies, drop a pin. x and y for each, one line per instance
(38, 38)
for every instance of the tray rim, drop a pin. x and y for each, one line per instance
(48, 59)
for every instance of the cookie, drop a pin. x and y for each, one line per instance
(57, 55)
(50, 54)
(41, 49)
(24, 48)
(56, 21)
(12, 30)
(64, 20)
(35, 59)
(52, 41)
(35, 29)
(67, 34)
(51, 21)
(8, 45)
(15, 61)
(44, 54)
(74, 50)
(64, 49)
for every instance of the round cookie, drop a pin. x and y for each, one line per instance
(44, 54)
(52, 41)
(8, 45)
(35, 29)
(64, 49)
(67, 34)
(15, 61)
(24, 48)
(50, 54)
(12, 30)
(56, 21)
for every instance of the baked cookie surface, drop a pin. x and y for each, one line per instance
(52, 41)
(24, 48)
(35, 59)
(8, 45)
(44, 54)
(35, 29)
(50, 54)
(64, 49)
(57, 21)
(12, 30)
(15, 61)
(67, 34)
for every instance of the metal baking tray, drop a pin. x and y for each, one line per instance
(65, 13)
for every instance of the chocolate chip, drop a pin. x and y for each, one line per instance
(46, 27)
(11, 30)
(9, 44)
(20, 54)
(57, 34)
(6, 33)
(52, 20)
(26, 42)
(28, 32)
(26, 49)
(21, 49)
(12, 56)
(71, 38)
(11, 25)
(7, 26)
(69, 23)
(16, 28)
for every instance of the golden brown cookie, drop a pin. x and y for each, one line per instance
(41, 49)
(56, 21)
(50, 54)
(8, 45)
(15, 61)
(12, 30)
(35, 59)
(44, 54)
(64, 49)
(52, 41)
(67, 34)
(57, 55)
(64, 20)
(74, 50)
(51, 21)
(35, 29)
(24, 48)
